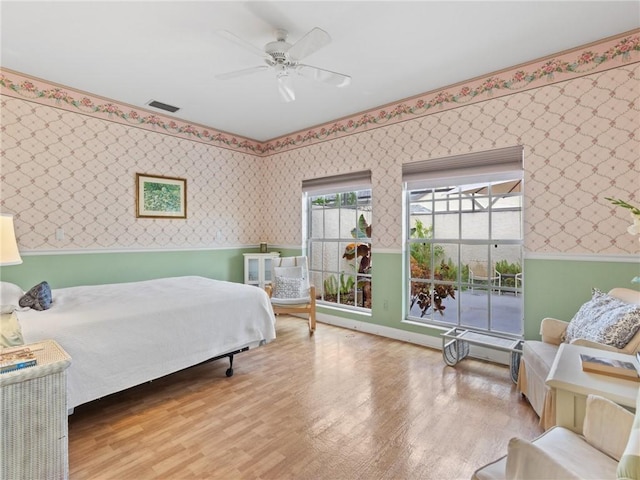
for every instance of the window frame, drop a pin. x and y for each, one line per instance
(321, 271)
(452, 174)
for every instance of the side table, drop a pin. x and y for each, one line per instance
(572, 384)
(33, 414)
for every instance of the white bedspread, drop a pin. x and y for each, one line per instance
(122, 335)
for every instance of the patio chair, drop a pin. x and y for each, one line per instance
(290, 291)
(518, 280)
(478, 275)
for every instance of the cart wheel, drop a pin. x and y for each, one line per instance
(450, 353)
(229, 372)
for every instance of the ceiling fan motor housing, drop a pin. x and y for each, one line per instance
(279, 49)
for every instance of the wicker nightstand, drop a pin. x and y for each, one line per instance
(33, 415)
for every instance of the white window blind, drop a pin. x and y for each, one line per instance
(491, 165)
(348, 182)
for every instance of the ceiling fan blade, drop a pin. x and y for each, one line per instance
(311, 42)
(285, 88)
(243, 43)
(240, 73)
(322, 75)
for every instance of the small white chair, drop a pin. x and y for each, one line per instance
(290, 291)
(478, 273)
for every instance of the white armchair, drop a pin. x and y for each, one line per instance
(290, 291)
(537, 358)
(610, 446)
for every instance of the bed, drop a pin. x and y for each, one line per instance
(122, 335)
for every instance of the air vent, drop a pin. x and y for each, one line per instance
(163, 106)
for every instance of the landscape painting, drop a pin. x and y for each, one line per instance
(160, 197)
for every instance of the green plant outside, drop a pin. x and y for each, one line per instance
(347, 282)
(331, 286)
(341, 199)
(421, 252)
(504, 267)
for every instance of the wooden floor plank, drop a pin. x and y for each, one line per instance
(336, 405)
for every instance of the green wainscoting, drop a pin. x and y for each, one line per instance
(96, 268)
(552, 288)
(557, 288)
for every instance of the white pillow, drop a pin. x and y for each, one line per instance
(10, 295)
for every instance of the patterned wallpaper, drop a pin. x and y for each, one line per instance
(581, 142)
(65, 170)
(581, 137)
(596, 57)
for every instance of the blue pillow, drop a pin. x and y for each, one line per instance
(38, 298)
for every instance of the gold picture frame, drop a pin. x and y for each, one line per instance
(160, 197)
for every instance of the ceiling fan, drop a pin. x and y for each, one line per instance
(284, 58)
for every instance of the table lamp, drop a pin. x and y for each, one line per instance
(9, 254)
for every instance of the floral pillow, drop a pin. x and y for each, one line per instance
(605, 319)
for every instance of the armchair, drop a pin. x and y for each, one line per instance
(291, 291)
(478, 273)
(610, 445)
(538, 356)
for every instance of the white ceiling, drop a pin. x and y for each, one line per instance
(136, 51)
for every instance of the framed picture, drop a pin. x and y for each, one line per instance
(160, 197)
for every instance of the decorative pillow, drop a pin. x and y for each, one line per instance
(288, 272)
(10, 331)
(38, 298)
(10, 295)
(629, 465)
(285, 287)
(605, 319)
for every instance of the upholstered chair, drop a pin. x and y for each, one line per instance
(537, 356)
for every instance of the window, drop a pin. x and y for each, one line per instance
(463, 242)
(338, 239)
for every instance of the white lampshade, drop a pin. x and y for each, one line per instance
(9, 254)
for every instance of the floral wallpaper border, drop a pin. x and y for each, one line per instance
(606, 54)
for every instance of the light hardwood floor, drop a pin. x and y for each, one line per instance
(338, 405)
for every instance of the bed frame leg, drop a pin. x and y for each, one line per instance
(230, 357)
(230, 369)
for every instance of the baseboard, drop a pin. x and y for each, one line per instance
(429, 341)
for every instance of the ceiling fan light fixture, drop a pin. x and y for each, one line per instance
(285, 85)
(281, 70)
